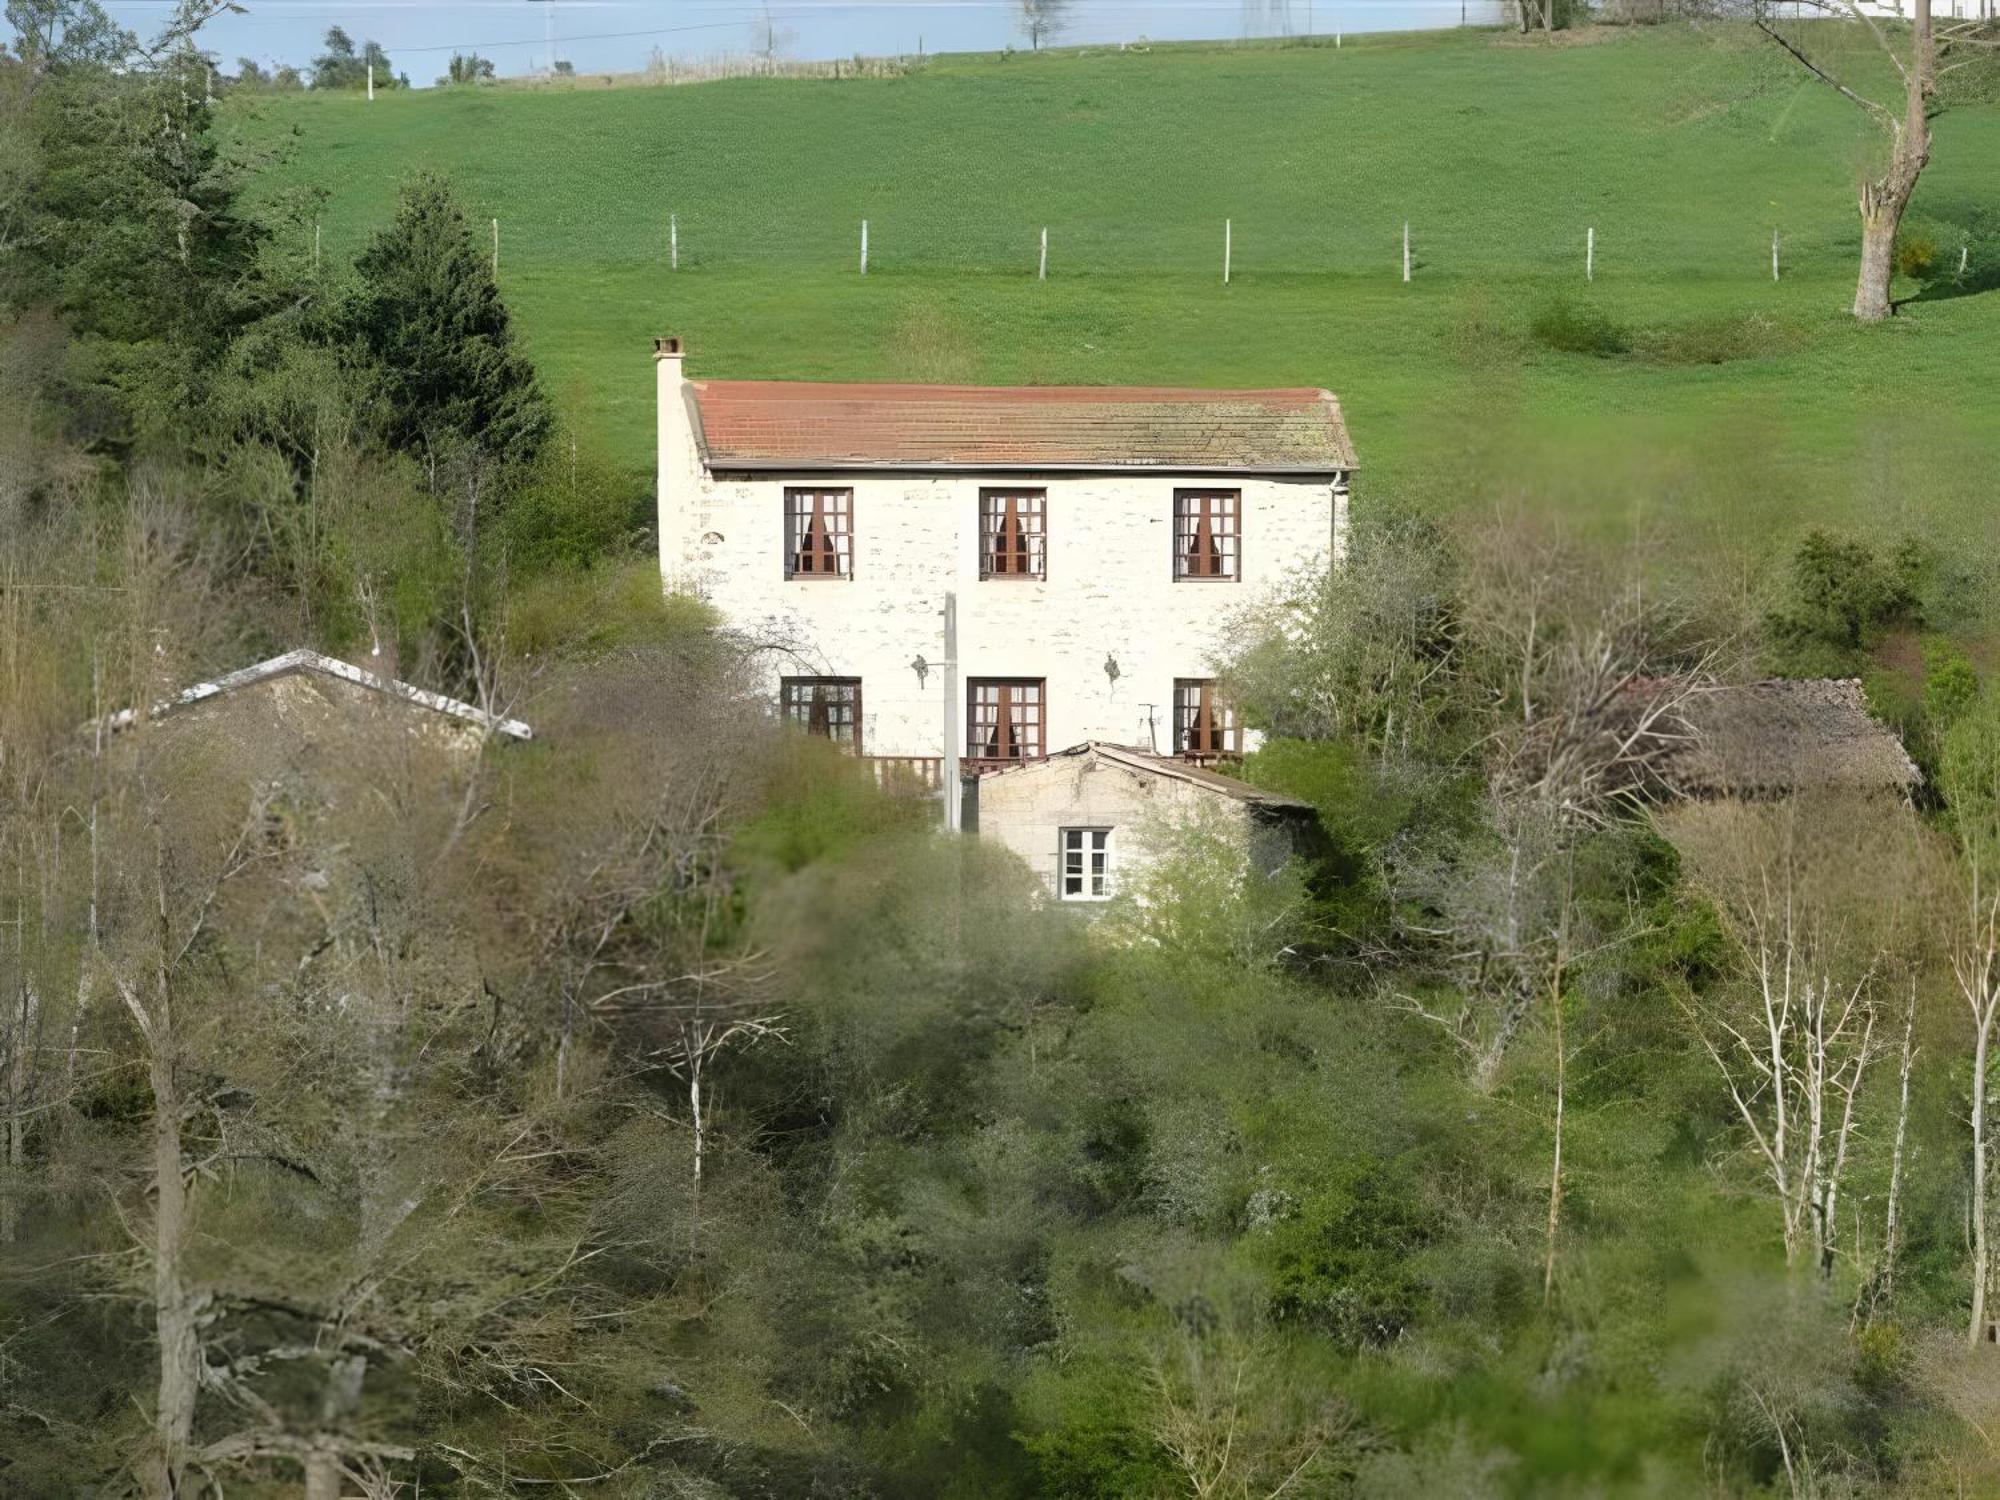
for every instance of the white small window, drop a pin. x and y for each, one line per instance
(1086, 864)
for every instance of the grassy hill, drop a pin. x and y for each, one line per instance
(1731, 411)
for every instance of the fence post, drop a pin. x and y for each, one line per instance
(864, 247)
(1590, 253)
(496, 249)
(371, 82)
(1227, 246)
(673, 242)
(1042, 270)
(315, 247)
(1406, 249)
(1774, 254)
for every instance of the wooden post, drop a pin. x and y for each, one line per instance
(315, 247)
(1227, 246)
(864, 247)
(496, 249)
(1590, 254)
(1406, 249)
(1042, 271)
(1774, 254)
(371, 82)
(673, 242)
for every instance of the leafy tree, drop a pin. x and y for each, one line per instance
(250, 75)
(342, 67)
(469, 68)
(427, 316)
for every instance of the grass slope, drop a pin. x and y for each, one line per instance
(1682, 148)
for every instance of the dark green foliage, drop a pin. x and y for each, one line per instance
(1571, 327)
(1344, 1258)
(341, 67)
(1842, 595)
(468, 68)
(570, 510)
(426, 315)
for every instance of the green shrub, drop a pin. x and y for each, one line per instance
(1342, 1262)
(1716, 341)
(1579, 328)
(1842, 596)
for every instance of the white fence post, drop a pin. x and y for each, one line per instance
(1590, 254)
(1042, 270)
(1774, 254)
(673, 242)
(864, 247)
(315, 247)
(371, 82)
(1406, 249)
(496, 249)
(1227, 246)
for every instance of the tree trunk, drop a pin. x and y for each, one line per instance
(1883, 200)
(1981, 1251)
(176, 1310)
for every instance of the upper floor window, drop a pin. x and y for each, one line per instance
(1011, 533)
(819, 533)
(829, 707)
(1086, 864)
(1205, 533)
(1203, 724)
(1003, 718)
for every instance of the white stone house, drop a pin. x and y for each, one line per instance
(974, 576)
(1087, 820)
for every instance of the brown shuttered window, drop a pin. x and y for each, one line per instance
(1003, 718)
(1204, 725)
(819, 533)
(1205, 533)
(1012, 533)
(829, 707)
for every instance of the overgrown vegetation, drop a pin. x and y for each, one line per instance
(656, 1108)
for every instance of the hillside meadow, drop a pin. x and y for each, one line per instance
(1683, 395)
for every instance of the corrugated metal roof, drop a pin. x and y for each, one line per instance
(780, 424)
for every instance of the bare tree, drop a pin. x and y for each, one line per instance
(1793, 1041)
(1044, 20)
(1921, 57)
(1971, 780)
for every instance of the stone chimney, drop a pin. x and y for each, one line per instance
(679, 476)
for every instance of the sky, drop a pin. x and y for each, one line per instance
(618, 35)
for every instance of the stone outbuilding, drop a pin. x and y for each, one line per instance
(1089, 818)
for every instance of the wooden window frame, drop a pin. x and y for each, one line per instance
(830, 511)
(802, 701)
(1019, 516)
(1205, 726)
(1084, 854)
(1208, 536)
(1029, 729)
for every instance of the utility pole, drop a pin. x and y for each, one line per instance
(954, 787)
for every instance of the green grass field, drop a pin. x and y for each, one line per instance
(1683, 149)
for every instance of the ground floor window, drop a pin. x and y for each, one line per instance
(1086, 864)
(1204, 725)
(829, 707)
(1003, 718)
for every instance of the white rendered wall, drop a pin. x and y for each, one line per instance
(1109, 592)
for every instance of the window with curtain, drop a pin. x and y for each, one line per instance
(1206, 539)
(1003, 718)
(1012, 533)
(819, 533)
(829, 707)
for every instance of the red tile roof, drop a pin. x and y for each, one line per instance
(777, 424)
